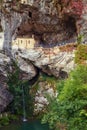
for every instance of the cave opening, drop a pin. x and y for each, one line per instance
(70, 26)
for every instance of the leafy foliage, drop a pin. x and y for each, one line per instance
(81, 54)
(69, 110)
(15, 87)
(6, 118)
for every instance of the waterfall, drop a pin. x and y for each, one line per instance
(24, 109)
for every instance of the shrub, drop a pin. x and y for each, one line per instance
(69, 110)
(81, 54)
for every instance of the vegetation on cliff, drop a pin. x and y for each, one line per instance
(15, 84)
(68, 111)
(81, 54)
(71, 7)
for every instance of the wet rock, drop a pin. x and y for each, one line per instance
(5, 98)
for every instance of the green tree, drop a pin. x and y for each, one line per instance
(69, 110)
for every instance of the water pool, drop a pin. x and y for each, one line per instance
(34, 125)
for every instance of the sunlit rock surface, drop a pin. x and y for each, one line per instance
(51, 62)
(41, 101)
(25, 66)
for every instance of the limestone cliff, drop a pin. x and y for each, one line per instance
(40, 19)
(53, 63)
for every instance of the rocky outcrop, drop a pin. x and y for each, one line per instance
(5, 98)
(83, 22)
(50, 62)
(10, 24)
(27, 69)
(27, 72)
(21, 20)
(45, 88)
(40, 19)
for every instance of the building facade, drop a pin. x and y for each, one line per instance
(30, 2)
(23, 43)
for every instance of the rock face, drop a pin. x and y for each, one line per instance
(41, 101)
(4, 60)
(5, 98)
(83, 22)
(21, 20)
(50, 60)
(40, 19)
(10, 25)
(52, 63)
(28, 71)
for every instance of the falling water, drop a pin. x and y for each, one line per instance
(24, 110)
